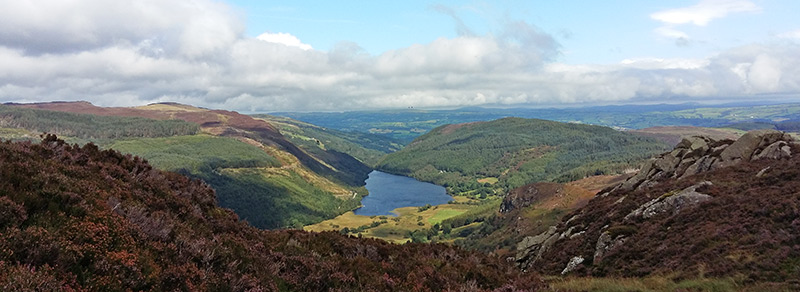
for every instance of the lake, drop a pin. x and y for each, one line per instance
(388, 192)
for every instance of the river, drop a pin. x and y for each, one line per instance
(388, 192)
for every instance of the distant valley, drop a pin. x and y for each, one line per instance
(407, 124)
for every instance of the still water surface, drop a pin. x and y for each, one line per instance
(388, 192)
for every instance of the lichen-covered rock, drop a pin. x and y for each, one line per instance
(751, 141)
(605, 243)
(697, 154)
(573, 263)
(777, 150)
(531, 248)
(671, 202)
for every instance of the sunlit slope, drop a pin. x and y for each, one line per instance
(518, 151)
(368, 148)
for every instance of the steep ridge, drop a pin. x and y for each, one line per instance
(84, 219)
(367, 148)
(707, 208)
(305, 187)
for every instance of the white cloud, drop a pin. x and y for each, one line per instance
(194, 52)
(671, 32)
(703, 12)
(284, 39)
(795, 34)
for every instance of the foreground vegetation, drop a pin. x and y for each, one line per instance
(78, 218)
(660, 283)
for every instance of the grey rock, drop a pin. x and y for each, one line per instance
(743, 148)
(763, 171)
(531, 248)
(604, 244)
(573, 263)
(671, 202)
(777, 150)
(703, 164)
(699, 154)
(577, 234)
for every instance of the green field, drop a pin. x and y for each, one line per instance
(443, 214)
(409, 222)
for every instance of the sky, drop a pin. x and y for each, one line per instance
(266, 56)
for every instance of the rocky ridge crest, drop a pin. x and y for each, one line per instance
(691, 156)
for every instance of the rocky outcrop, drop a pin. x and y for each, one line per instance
(532, 247)
(607, 242)
(671, 202)
(691, 156)
(700, 154)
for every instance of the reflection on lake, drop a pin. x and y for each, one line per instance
(388, 192)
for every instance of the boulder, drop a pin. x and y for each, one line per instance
(777, 150)
(744, 148)
(605, 243)
(531, 248)
(671, 202)
(573, 263)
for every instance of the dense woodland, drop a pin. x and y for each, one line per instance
(79, 218)
(517, 152)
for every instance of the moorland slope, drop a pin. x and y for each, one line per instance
(267, 179)
(708, 208)
(84, 219)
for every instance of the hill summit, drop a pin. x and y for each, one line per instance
(707, 208)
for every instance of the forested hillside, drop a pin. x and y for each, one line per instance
(265, 178)
(84, 219)
(513, 152)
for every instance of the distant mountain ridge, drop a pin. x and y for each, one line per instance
(406, 124)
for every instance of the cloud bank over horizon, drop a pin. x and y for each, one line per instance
(129, 53)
